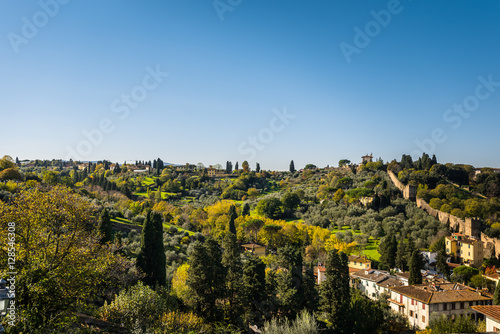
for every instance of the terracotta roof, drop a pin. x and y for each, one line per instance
(252, 245)
(406, 276)
(448, 292)
(390, 282)
(357, 258)
(492, 311)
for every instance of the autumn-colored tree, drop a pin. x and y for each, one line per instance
(60, 263)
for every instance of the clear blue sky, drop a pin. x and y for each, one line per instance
(65, 70)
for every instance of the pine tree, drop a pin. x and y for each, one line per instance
(496, 295)
(105, 226)
(206, 277)
(415, 266)
(246, 210)
(257, 167)
(231, 261)
(335, 293)
(151, 259)
(292, 167)
(232, 216)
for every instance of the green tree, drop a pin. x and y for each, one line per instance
(246, 210)
(441, 264)
(232, 216)
(232, 263)
(496, 295)
(387, 249)
(253, 225)
(400, 260)
(310, 288)
(366, 314)
(416, 263)
(245, 166)
(60, 263)
(463, 274)
(206, 279)
(335, 292)
(151, 259)
(290, 202)
(344, 162)
(292, 167)
(339, 195)
(105, 226)
(257, 167)
(254, 289)
(290, 288)
(270, 208)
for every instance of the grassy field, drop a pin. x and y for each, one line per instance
(345, 228)
(164, 195)
(371, 249)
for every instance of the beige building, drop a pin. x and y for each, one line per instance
(255, 248)
(418, 302)
(359, 262)
(466, 250)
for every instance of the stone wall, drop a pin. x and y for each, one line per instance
(409, 191)
(491, 245)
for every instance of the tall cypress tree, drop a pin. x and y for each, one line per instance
(415, 266)
(232, 216)
(400, 260)
(257, 167)
(496, 295)
(254, 289)
(105, 226)
(290, 288)
(206, 277)
(335, 293)
(151, 258)
(292, 167)
(387, 250)
(231, 261)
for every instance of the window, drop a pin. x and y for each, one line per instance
(411, 313)
(423, 306)
(445, 307)
(412, 301)
(452, 306)
(462, 305)
(469, 253)
(423, 318)
(401, 299)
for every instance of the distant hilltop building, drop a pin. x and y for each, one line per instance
(366, 158)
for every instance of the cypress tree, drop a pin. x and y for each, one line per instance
(290, 288)
(292, 167)
(310, 290)
(231, 261)
(400, 260)
(105, 226)
(206, 279)
(232, 216)
(335, 293)
(257, 167)
(151, 259)
(496, 295)
(236, 166)
(415, 266)
(387, 250)
(254, 289)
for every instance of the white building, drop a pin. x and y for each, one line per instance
(492, 314)
(418, 302)
(373, 282)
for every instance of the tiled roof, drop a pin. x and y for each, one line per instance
(371, 275)
(446, 293)
(492, 311)
(357, 258)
